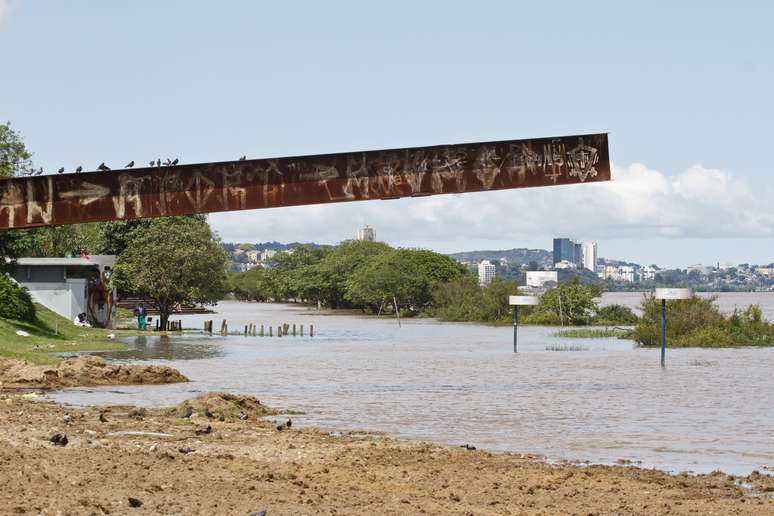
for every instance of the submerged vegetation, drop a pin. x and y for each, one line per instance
(697, 322)
(593, 333)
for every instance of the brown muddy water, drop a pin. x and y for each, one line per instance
(460, 383)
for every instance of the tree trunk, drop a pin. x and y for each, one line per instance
(163, 317)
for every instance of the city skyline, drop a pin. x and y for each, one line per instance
(685, 187)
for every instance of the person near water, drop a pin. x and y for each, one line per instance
(141, 315)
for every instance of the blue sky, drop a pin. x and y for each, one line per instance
(685, 93)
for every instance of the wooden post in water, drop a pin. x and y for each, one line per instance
(311, 330)
(245, 330)
(271, 331)
(302, 330)
(294, 329)
(262, 330)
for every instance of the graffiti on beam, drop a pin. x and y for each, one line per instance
(263, 183)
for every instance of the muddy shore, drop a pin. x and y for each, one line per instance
(219, 454)
(84, 371)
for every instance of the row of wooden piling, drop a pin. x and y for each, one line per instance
(170, 326)
(254, 330)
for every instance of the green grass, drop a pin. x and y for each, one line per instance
(592, 333)
(51, 334)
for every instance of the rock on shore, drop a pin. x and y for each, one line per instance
(83, 371)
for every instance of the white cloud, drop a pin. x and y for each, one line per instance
(6, 6)
(639, 203)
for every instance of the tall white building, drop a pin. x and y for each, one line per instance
(486, 271)
(366, 233)
(589, 255)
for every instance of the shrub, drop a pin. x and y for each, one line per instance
(541, 319)
(612, 315)
(697, 322)
(15, 301)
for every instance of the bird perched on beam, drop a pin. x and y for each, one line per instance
(151, 163)
(243, 158)
(103, 167)
(130, 164)
(60, 171)
(158, 162)
(39, 172)
(79, 169)
(175, 162)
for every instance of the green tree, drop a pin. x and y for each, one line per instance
(114, 235)
(408, 276)
(174, 260)
(15, 159)
(459, 300)
(573, 302)
(333, 270)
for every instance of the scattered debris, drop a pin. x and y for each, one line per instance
(135, 502)
(469, 447)
(102, 418)
(185, 450)
(22, 333)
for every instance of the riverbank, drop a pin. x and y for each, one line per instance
(243, 463)
(39, 342)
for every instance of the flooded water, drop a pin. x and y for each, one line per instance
(726, 301)
(458, 383)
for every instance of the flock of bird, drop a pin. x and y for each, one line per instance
(104, 168)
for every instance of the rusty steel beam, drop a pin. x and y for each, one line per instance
(267, 183)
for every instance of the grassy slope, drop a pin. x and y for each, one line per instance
(47, 337)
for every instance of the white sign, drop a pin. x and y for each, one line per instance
(673, 293)
(522, 300)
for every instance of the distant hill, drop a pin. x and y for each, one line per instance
(514, 256)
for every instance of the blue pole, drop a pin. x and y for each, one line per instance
(663, 332)
(515, 326)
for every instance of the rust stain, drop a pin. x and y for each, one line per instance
(292, 181)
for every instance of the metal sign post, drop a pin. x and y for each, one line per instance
(517, 301)
(664, 294)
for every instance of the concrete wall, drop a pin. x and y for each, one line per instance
(67, 298)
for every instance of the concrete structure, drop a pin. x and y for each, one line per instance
(589, 255)
(267, 254)
(582, 254)
(564, 264)
(648, 273)
(565, 250)
(538, 279)
(366, 233)
(625, 273)
(486, 271)
(70, 286)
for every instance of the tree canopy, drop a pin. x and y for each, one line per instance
(15, 159)
(173, 260)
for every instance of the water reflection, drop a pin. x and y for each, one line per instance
(163, 347)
